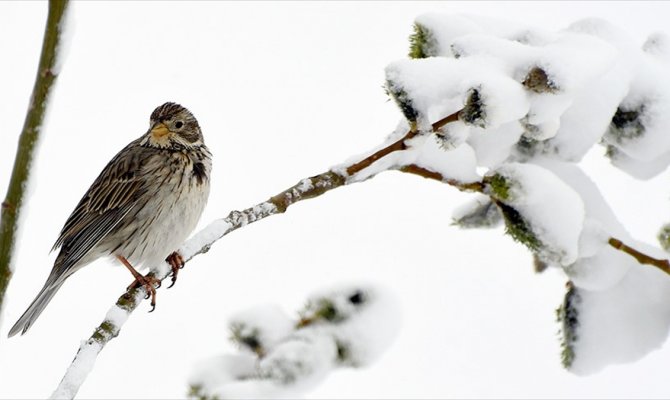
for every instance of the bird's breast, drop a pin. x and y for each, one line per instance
(176, 194)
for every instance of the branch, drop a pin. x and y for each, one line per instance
(400, 144)
(202, 241)
(198, 244)
(46, 76)
(428, 174)
(663, 265)
(342, 326)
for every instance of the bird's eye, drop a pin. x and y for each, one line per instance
(178, 124)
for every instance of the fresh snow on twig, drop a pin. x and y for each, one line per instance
(347, 325)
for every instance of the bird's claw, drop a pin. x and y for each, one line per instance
(177, 262)
(150, 284)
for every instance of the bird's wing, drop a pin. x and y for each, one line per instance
(109, 199)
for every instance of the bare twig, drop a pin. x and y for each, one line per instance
(44, 81)
(663, 265)
(428, 174)
(399, 145)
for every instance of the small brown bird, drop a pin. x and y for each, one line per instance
(142, 206)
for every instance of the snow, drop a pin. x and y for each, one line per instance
(458, 163)
(444, 29)
(314, 104)
(117, 316)
(623, 323)
(640, 169)
(504, 100)
(583, 82)
(266, 323)
(622, 309)
(648, 94)
(582, 124)
(370, 327)
(447, 29)
(543, 199)
(574, 59)
(66, 30)
(78, 372)
(216, 371)
(516, 56)
(599, 266)
(493, 147)
(303, 359)
(347, 325)
(479, 212)
(431, 86)
(436, 87)
(204, 237)
(657, 44)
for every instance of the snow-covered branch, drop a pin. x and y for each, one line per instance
(522, 107)
(198, 244)
(343, 326)
(201, 242)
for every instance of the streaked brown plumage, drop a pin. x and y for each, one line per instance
(142, 206)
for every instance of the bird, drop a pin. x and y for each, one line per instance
(142, 206)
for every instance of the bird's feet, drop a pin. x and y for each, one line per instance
(150, 284)
(177, 262)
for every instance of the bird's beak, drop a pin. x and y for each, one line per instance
(159, 130)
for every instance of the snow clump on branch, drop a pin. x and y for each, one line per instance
(343, 326)
(532, 103)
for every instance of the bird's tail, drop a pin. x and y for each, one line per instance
(36, 307)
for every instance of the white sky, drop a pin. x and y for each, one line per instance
(284, 91)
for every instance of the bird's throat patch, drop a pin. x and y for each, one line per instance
(160, 135)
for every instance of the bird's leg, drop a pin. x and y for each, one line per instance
(147, 281)
(177, 262)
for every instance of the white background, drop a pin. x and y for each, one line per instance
(283, 91)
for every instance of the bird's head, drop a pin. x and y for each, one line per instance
(173, 127)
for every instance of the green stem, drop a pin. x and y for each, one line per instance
(44, 81)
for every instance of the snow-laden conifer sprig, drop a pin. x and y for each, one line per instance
(345, 326)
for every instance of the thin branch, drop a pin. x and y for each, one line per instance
(400, 144)
(44, 81)
(397, 146)
(663, 265)
(428, 174)
(202, 241)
